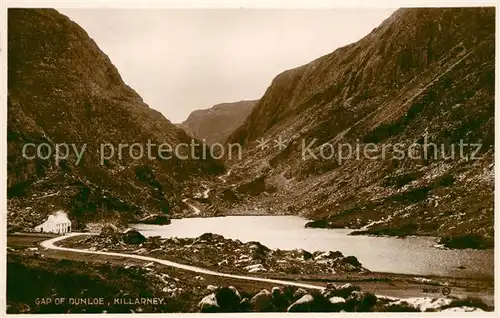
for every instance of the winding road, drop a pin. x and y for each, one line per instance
(418, 302)
(49, 244)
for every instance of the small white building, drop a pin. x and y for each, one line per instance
(57, 223)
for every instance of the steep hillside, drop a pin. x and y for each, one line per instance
(217, 123)
(423, 76)
(63, 89)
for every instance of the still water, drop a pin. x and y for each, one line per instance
(411, 255)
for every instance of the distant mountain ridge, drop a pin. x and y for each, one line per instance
(217, 123)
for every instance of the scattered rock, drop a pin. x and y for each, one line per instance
(228, 299)
(255, 268)
(327, 255)
(329, 290)
(212, 287)
(235, 291)
(209, 304)
(133, 237)
(154, 242)
(345, 290)
(209, 237)
(305, 254)
(303, 304)
(217, 251)
(336, 300)
(337, 303)
(463, 309)
(360, 302)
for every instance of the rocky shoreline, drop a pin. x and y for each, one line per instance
(449, 241)
(216, 252)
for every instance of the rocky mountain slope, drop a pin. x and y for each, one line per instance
(217, 123)
(63, 89)
(423, 76)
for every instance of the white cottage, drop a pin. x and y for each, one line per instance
(57, 223)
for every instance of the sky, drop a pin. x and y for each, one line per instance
(180, 60)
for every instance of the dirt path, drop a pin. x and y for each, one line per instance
(394, 287)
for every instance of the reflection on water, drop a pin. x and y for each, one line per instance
(412, 255)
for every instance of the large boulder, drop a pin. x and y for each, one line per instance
(262, 301)
(299, 293)
(228, 299)
(276, 292)
(209, 304)
(351, 260)
(109, 229)
(259, 251)
(329, 290)
(154, 242)
(133, 237)
(327, 255)
(279, 299)
(303, 304)
(245, 305)
(210, 237)
(313, 302)
(360, 302)
(337, 303)
(345, 290)
(305, 254)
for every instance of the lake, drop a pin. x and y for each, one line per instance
(411, 255)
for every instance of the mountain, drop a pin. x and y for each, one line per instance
(217, 123)
(62, 89)
(424, 76)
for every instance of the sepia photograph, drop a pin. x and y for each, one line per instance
(244, 159)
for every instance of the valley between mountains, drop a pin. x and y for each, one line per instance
(423, 80)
